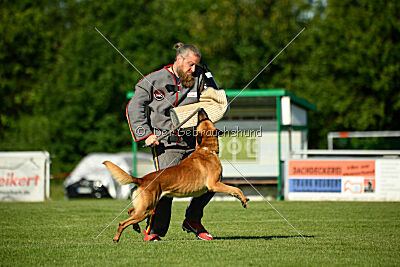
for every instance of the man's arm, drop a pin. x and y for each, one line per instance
(136, 113)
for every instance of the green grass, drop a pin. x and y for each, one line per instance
(57, 189)
(338, 233)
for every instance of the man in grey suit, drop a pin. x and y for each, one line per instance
(148, 114)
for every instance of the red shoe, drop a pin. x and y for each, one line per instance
(197, 228)
(151, 238)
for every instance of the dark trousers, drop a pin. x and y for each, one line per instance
(158, 223)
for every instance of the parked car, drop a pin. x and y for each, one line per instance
(91, 179)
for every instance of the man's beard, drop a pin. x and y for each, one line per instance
(185, 79)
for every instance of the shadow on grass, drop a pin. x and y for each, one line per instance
(231, 238)
(262, 237)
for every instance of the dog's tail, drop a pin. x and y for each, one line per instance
(120, 175)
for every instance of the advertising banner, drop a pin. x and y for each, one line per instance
(352, 179)
(254, 153)
(24, 176)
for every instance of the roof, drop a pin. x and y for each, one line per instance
(233, 93)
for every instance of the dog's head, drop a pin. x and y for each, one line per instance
(206, 134)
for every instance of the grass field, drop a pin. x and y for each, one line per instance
(337, 233)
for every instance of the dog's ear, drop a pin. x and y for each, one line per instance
(202, 115)
(199, 138)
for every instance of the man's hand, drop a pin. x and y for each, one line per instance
(151, 140)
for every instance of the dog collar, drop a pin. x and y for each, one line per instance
(212, 151)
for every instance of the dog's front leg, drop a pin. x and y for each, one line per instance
(223, 188)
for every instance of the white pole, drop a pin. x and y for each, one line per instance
(47, 166)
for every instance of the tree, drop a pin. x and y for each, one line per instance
(238, 38)
(30, 38)
(86, 100)
(352, 69)
(63, 86)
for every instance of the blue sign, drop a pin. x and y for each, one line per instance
(315, 185)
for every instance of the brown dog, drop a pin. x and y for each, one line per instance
(194, 176)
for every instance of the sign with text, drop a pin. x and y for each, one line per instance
(240, 148)
(352, 179)
(24, 176)
(254, 153)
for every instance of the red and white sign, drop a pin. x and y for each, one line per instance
(331, 168)
(24, 176)
(341, 179)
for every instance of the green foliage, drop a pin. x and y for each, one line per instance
(29, 40)
(238, 38)
(62, 86)
(352, 72)
(386, 143)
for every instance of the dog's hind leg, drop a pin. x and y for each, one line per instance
(135, 226)
(236, 192)
(143, 207)
(135, 219)
(130, 211)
